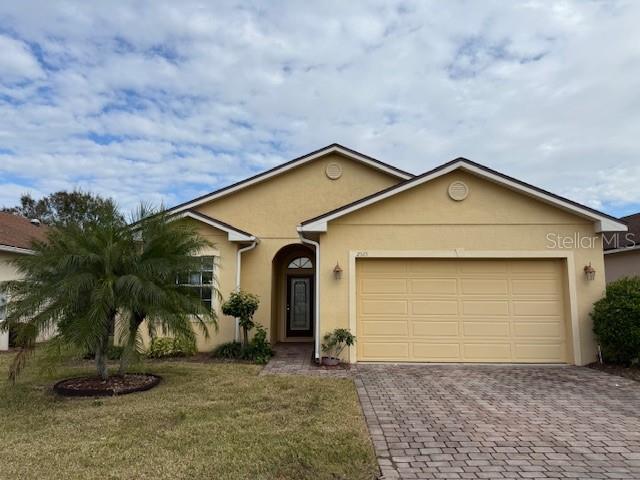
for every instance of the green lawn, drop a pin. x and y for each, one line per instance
(213, 421)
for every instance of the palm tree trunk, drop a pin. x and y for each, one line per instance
(134, 324)
(102, 348)
(101, 359)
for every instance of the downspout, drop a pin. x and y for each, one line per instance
(316, 326)
(238, 269)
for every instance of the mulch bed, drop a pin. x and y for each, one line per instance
(114, 385)
(632, 373)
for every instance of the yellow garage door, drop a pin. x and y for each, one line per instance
(442, 310)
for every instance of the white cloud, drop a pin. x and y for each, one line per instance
(163, 100)
(16, 61)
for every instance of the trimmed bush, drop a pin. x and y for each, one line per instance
(257, 351)
(166, 347)
(230, 350)
(616, 321)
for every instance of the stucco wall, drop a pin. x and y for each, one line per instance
(273, 209)
(622, 264)
(7, 272)
(491, 219)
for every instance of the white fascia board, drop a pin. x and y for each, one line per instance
(602, 224)
(277, 171)
(9, 248)
(232, 235)
(622, 250)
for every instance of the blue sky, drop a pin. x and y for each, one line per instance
(163, 101)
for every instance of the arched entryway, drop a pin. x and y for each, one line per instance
(292, 315)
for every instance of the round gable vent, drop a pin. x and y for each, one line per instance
(458, 191)
(333, 171)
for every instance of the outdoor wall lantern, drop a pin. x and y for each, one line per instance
(337, 271)
(589, 272)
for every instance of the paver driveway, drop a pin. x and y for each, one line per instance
(459, 421)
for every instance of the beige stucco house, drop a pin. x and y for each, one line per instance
(16, 235)
(458, 264)
(622, 250)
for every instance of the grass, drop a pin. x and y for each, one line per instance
(213, 421)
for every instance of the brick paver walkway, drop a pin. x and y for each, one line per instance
(494, 422)
(297, 359)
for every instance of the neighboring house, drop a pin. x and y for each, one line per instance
(16, 235)
(459, 264)
(622, 250)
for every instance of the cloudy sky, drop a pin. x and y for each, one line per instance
(163, 101)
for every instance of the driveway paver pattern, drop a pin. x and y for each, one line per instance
(494, 422)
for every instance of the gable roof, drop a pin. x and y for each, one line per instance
(296, 162)
(618, 242)
(17, 233)
(603, 221)
(233, 234)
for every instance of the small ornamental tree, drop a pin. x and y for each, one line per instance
(616, 321)
(242, 305)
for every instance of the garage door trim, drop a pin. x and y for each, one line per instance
(567, 255)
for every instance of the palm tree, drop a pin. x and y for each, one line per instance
(165, 251)
(71, 284)
(82, 279)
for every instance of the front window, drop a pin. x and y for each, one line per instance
(201, 280)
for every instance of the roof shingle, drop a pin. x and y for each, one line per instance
(16, 231)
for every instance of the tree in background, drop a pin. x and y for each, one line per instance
(65, 208)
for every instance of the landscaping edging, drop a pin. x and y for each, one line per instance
(72, 387)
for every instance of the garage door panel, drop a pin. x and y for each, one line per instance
(448, 310)
(534, 267)
(435, 329)
(434, 307)
(484, 286)
(384, 351)
(383, 285)
(487, 352)
(434, 286)
(537, 308)
(386, 307)
(540, 286)
(538, 329)
(435, 352)
(490, 308)
(486, 329)
(481, 267)
(386, 328)
(434, 268)
(540, 352)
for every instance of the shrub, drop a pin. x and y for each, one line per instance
(230, 350)
(166, 347)
(257, 351)
(335, 342)
(616, 321)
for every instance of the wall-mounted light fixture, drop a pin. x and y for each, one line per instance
(589, 272)
(337, 271)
